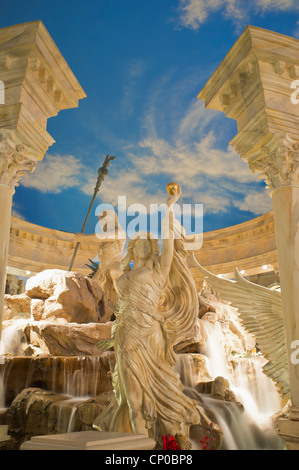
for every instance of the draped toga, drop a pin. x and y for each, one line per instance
(152, 314)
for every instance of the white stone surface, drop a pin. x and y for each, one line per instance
(90, 440)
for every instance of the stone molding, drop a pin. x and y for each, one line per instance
(249, 245)
(38, 83)
(254, 85)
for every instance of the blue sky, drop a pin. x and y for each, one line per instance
(142, 64)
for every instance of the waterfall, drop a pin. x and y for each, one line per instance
(75, 375)
(9, 344)
(255, 390)
(214, 350)
(252, 427)
(11, 337)
(240, 432)
(251, 386)
(66, 414)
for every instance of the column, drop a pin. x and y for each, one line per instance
(254, 85)
(36, 83)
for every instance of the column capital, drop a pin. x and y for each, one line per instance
(38, 84)
(277, 162)
(15, 161)
(257, 84)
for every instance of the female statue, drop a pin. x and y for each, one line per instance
(156, 306)
(110, 244)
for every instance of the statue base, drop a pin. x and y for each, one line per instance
(288, 430)
(90, 440)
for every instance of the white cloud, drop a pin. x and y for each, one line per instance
(127, 182)
(194, 13)
(137, 67)
(296, 31)
(256, 202)
(15, 212)
(196, 118)
(189, 163)
(280, 5)
(55, 173)
(133, 72)
(182, 143)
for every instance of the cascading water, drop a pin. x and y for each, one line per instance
(10, 341)
(11, 337)
(250, 428)
(75, 377)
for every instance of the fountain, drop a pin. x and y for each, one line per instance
(80, 383)
(235, 393)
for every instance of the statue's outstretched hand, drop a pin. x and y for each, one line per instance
(105, 344)
(176, 192)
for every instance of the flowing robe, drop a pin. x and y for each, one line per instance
(144, 334)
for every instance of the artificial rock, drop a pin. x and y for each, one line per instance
(63, 295)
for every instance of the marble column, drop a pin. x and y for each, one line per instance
(254, 85)
(36, 83)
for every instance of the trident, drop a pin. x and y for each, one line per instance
(102, 173)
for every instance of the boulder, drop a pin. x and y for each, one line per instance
(76, 376)
(36, 412)
(74, 339)
(27, 338)
(192, 369)
(16, 306)
(204, 306)
(191, 343)
(65, 296)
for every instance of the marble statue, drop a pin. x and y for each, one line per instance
(261, 314)
(110, 245)
(156, 305)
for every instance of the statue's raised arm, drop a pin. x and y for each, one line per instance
(156, 306)
(168, 231)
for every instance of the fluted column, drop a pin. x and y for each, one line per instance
(36, 83)
(278, 164)
(254, 85)
(13, 163)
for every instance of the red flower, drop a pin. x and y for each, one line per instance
(206, 440)
(169, 442)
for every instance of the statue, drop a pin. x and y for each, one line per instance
(260, 310)
(110, 245)
(156, 306)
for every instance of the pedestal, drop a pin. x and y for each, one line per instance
(90, 440)
(288, 430)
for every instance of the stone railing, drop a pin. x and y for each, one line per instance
(248, 246)
(35, 248)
